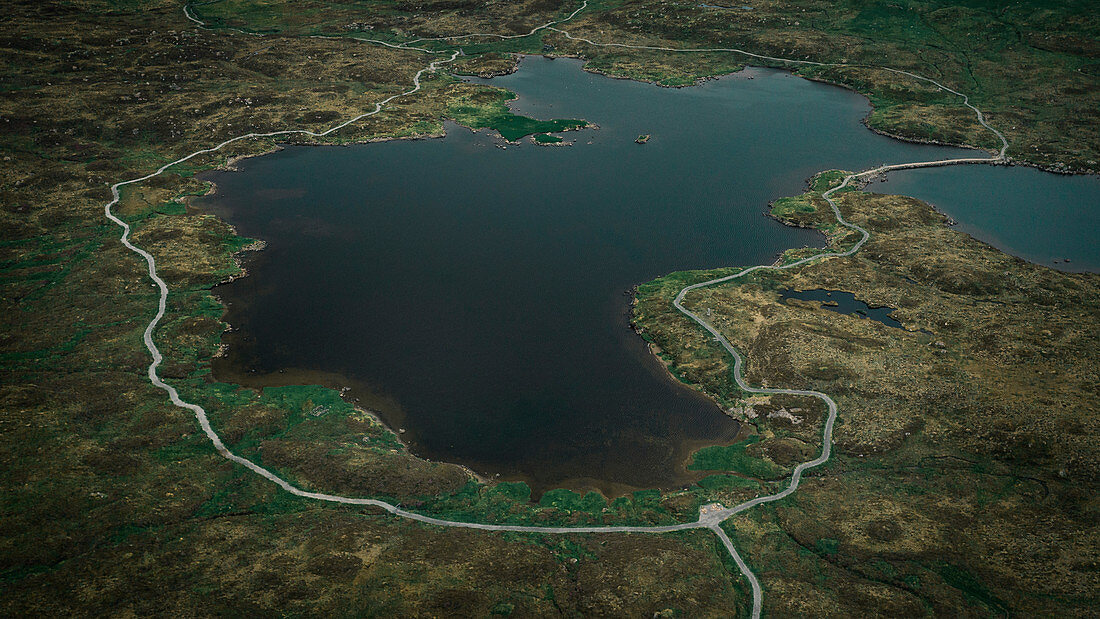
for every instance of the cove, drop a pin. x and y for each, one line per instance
(1039, 216)
(478, 297)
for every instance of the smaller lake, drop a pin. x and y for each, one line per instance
(1039, 216)
(844, 303)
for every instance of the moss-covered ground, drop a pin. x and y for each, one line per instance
(964, 473)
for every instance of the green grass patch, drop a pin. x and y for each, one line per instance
(786, 207)
(969, 584)
(487, 108)
(734, 458)
(827, 546)
(727, 482)
(826, 180)
(567, 500)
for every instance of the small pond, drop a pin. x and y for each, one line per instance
(843, 302)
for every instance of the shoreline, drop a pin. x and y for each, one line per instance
(710, 517)
(231, 165)
(1006, 161)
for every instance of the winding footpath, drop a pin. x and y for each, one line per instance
(710, 517)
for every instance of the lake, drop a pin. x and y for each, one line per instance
(1049, 219)
(477, 297)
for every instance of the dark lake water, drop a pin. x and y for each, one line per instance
(477, 296)
(1042, 217)
(843, 302)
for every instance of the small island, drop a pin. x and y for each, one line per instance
(642, 139)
